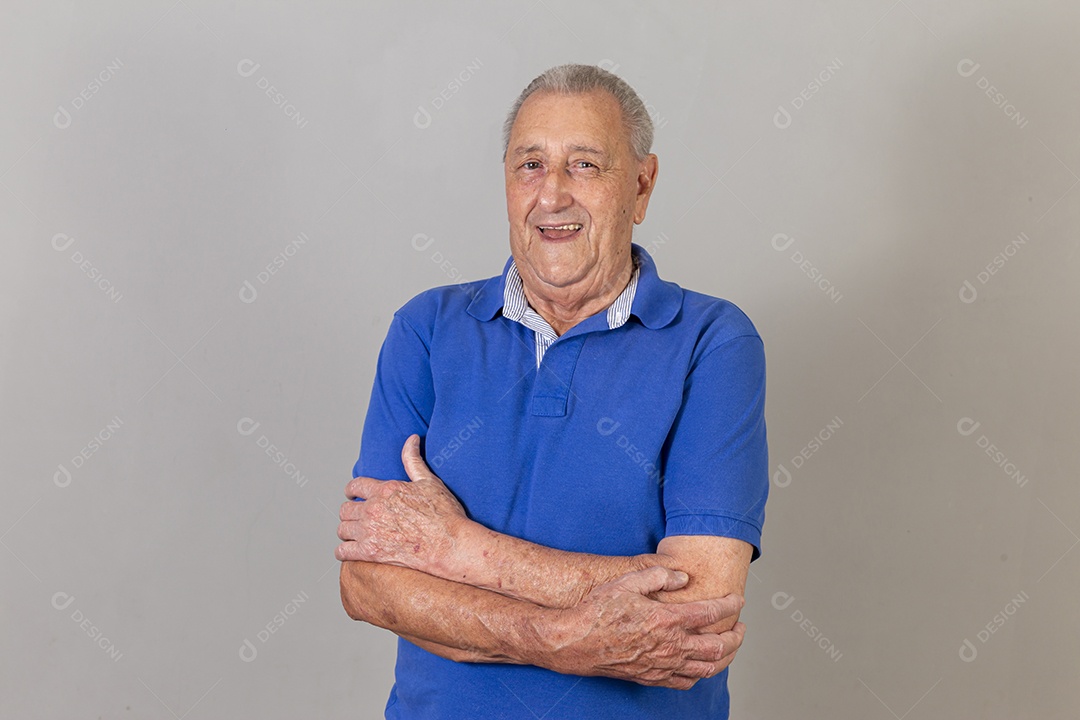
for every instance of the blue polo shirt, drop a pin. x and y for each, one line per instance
(620, 438)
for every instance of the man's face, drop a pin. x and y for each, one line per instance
(573, 192)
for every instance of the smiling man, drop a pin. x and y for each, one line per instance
(602, 461)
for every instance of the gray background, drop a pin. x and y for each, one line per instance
(174, 179)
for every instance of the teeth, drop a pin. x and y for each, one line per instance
(572, 226)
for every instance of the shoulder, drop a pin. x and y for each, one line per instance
(686, 319)
(713, 321)
(439, 306)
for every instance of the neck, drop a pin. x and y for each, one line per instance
(563, 308)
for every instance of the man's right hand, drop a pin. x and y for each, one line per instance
(618, 631)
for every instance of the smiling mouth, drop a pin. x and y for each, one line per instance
(560, 232)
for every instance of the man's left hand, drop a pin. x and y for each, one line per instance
(411, 524)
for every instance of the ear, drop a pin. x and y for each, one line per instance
(646, 181)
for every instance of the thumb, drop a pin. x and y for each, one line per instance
(652, 580)
(415, 467)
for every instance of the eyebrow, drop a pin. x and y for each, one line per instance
(587, 149)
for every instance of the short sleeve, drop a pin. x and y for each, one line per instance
(716, 477)
(401, 403)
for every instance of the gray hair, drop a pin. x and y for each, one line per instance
(575, 79)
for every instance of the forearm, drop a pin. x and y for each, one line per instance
(527, 571)
(420, 525)
(616, 632)
(453, 620)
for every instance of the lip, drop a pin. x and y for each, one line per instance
(569, 238)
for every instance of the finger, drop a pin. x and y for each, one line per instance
(349, 551)
(706, 647)
(360, 488)
(653, 580)
(733, 639)
(706, 612)
(677, 682)
(722, 664)
(350, 530)
(697, 669)
(352, 510)
(415, 467)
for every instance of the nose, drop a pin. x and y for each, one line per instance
(555, 192)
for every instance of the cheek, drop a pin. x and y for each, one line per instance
(519, 199)
(514, 207)
(608, 212)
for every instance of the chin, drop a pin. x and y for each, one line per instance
(559, 276)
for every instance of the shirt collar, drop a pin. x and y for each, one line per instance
(656, 302)
(516, 306)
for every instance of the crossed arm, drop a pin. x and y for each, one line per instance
(415, 564)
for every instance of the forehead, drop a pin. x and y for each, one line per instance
(552, 120)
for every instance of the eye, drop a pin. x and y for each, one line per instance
(584, 164)
(530, 165)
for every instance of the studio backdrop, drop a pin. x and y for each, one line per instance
(209, 213)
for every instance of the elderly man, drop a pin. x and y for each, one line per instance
(599, 439)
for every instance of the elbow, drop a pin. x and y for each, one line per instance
(363, 594)
(349, 584)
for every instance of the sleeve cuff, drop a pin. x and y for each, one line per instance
(687, 523)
